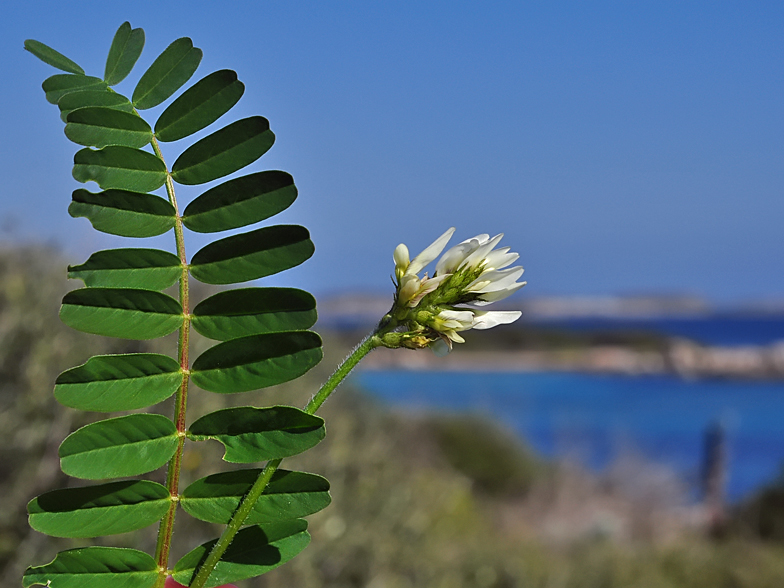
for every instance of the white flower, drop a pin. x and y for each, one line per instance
(435, 310)
(494, 282)
(449, 322)
(411, 289)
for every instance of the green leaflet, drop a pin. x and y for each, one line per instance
(148, 269)
(120, 167)
(252, 255)
(119, 447)
(106, 509)
(224, 151)
(252, 311)
(59, 85)
(126, 48)
(107, 383)
(262, 329)
(52, 57)
(289, 495)
(259, 434)
(123, 213)
(240, 202)
(199, 106)
(255, 551)
(97, 126)
(256, 362)
(170, 70)
(85, 98)
(95, 567)
(121, 312)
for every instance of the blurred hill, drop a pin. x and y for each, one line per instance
(419, 500)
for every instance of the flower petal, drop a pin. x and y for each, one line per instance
(409, 286)
(493, 280)
(489, 297)
(401, 257)
(481, 252)
(500, 258)
(440, 347)
(464, 318)
(427, 285)
(490, 319)
(454, 336)
(452, 259)
(430, 253)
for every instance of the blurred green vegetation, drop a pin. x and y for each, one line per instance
(418, 500)
(762, 515)
(493, 459)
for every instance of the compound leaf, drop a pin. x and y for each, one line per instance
(170, 70)
(148, 269)
(98, 126)
(252, 311)
(93, 511)
(123, 213)
(119, 447)
(87, 98)
(126, 48)
(121, 312)
(200, 106)
(252, 255)
(120, 167)
(95, 567)
(254, 551)
(224, 151)
(240, 202)
(59, 85)
(107, 383)
(52, 57)
(256, 362)
(289, 495)
(258, 434)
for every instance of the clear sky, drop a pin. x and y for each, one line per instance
(622, 147)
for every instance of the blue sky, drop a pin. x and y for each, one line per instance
(622, 147)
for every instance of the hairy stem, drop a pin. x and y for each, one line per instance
(166, 527)
(367, 345)
(248, 502)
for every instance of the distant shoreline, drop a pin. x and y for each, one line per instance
(681, 358)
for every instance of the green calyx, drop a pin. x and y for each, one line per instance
(453, 290)
(412, 328)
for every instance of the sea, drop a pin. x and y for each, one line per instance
(595, 419)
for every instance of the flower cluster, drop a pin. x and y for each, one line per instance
(433, 310)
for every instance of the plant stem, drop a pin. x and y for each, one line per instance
(166, 527)
(249, 501)
(367, 345)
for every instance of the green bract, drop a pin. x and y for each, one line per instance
(261, 333)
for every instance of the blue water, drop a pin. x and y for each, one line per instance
(709, 330)
(593, 417)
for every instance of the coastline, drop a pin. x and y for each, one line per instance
(681, 358)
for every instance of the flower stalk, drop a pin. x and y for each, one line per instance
(246, 506)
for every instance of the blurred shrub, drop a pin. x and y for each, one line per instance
(762, 516)
(490, 456)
